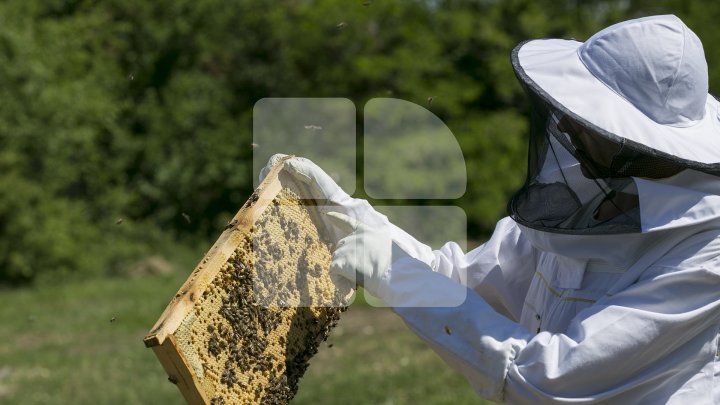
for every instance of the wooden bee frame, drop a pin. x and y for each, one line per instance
(182, 359)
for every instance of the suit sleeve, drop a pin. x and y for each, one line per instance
(500, 270)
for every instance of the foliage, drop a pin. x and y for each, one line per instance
(143, 110)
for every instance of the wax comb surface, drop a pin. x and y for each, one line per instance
(255, 310)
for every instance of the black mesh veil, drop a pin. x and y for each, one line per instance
(580, 176)
(580, 181)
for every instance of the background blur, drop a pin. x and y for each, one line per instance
(126, 146)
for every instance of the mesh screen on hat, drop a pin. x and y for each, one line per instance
(580, 181)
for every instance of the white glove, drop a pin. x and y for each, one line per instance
(322, 187)
(304, 170)
(365, 254)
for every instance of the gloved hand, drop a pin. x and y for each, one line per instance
(365, 254)
(323, 187)
(320, 184)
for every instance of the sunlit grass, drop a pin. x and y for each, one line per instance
(81, 343)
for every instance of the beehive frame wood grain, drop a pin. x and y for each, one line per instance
(163, 338)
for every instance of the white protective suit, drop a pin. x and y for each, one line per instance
(556, 313)
(553, 318)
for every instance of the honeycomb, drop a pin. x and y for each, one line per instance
(249, 336)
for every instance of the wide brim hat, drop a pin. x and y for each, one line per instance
(641, 82)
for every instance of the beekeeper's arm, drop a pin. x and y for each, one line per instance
(659, 330)
(500, 270)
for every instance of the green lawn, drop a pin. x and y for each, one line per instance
(81, 343)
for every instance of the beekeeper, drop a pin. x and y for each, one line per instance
(603, 284)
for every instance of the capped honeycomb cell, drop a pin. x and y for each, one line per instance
(243, 327)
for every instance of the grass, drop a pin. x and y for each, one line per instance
(81, 343)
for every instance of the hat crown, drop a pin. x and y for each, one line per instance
(656, 63)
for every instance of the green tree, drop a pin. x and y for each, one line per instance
(143, 110)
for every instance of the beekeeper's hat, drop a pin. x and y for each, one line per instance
(643, 80)
(631, 102)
